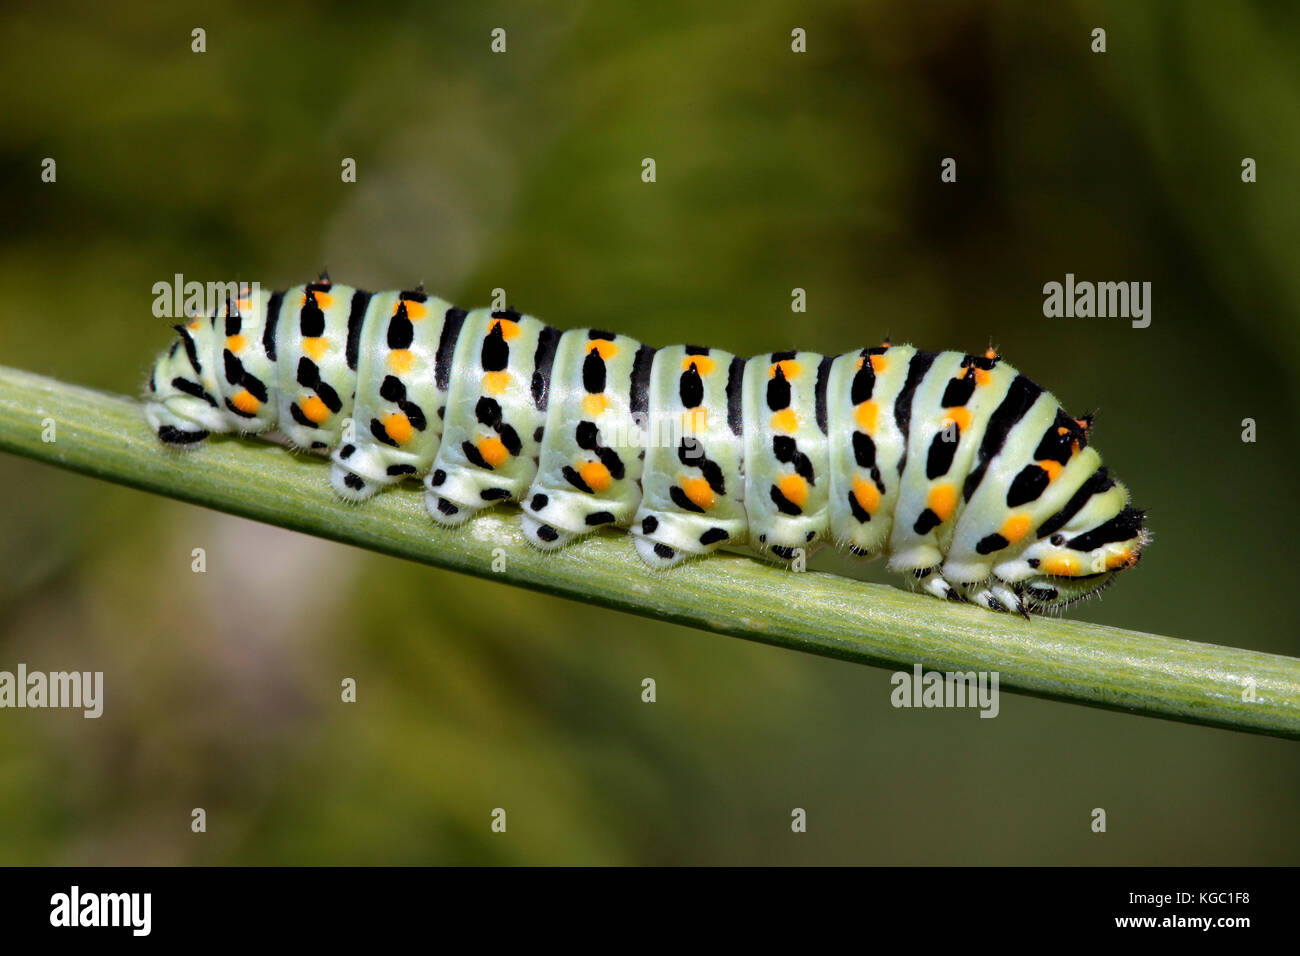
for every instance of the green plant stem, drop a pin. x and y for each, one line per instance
(106, 436)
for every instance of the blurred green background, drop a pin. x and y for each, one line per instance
(522, 170)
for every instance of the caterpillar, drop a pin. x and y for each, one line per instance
(970, 477)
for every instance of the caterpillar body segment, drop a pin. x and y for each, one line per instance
(314, 379)
(787, 461)
(589, 472)
(401, 390)
(868, 445)
(970, 477)
(956, 398)
(693, 483)
(494, 420)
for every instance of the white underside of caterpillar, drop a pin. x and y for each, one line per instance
(968, 476)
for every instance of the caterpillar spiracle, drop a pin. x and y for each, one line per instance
(969, 476)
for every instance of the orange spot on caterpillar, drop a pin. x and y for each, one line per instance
(1121, 560)
(415, 311)
(595, 475)
(398, 427)
(789, 368)
(879, 363)
(595, 405)
(1053, 469)
(868, 495)
(794, 488)
(245, 402)
(495, 382)
(401, 360)
(195, 325)
(314, 409)
(959, 417)
(1015, 527)
(703, 364)
(785, 421)
(316, 347)
(323, 300)
(867, 415)
(493, 451)
(1061, 565)
(604, 347)
(982, 377)
(698, 490)
(942, 500)
(509, 328)
(236, 343)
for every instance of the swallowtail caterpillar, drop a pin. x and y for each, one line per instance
(971, 478)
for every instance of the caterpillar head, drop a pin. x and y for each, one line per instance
(1082, 556)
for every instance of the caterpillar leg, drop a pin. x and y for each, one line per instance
(658, 555)
(992, 594)
(447, 506)
(931, 581)
(359, 471)
(443, 509)
(665, 540)
(351, 486)
(996, 596)
(446, 512)
(544, 536)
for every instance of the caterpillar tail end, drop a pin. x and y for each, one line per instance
(173, 430)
